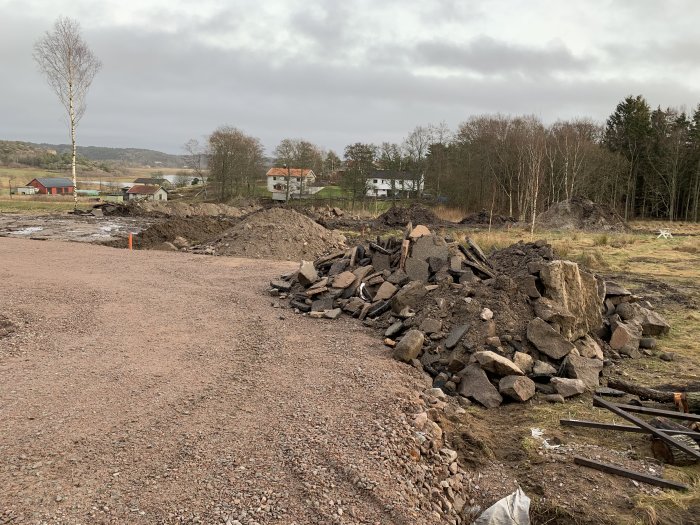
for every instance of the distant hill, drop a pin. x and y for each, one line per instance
(128, 156)
(12, 151)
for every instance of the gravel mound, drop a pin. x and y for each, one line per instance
(401, 215)
(275, 233)
(578, 213)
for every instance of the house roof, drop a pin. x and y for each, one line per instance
(54, 182)
(142, 189)
(294, 172)
(395, 175)
(149, 181)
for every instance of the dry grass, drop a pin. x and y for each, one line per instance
(449, 214)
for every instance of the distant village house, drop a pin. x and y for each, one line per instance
(394, 184)
(143, 192)
(277, 179)
(50, 186)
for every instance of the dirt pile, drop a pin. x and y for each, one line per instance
(172, 209)
(275, 233)
(484, 218)
(486, 328)
(401, 215)
(578, 213)
(182, 232)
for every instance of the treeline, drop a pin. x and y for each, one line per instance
(645, 163)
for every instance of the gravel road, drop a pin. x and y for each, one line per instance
(152, 387)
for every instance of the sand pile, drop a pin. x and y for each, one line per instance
(578, 213)
(182, 231)
(275, 233)
(401, 215)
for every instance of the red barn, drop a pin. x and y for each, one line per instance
(51, 186)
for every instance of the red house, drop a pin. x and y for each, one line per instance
(49, 186)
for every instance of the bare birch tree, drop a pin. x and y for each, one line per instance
(70, 66)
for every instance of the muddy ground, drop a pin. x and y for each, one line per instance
(65, 227)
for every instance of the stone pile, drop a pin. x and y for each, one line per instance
(485, 328)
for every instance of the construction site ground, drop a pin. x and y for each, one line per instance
(154, 387)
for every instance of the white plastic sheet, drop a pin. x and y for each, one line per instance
(514, 509)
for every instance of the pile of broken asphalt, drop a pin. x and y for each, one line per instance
(488, 329)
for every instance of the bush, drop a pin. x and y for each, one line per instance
(601, 240)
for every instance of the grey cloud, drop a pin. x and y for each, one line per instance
(486, 55)
(158, 89)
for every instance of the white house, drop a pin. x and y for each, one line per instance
(143, 192)
(300, 180)
(393, 183)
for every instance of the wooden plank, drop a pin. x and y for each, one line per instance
(643, 424)
(631, 474)
(658, 412)
(621, 428)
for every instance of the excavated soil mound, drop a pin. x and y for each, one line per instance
(173, 209)
(401, 215)
(194, 230)
(578, 213)
(484, 218)
(276, 233)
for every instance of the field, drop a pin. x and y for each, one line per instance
(212, 382)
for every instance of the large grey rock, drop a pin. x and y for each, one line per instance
(417, 269)
(625, 339)
(540, 368)
(455, 335)
(343, 280)
(547, 339)
(528, 284)
(430, 246)
(418, 232)
(575, 292)
(323, 304)
(585, 369)
(475, 385)
(394, 329)
(613, 289)
(519, 388)
(652, 323)
(410, 295)
(588, 347)
(410, 346)
(399, 278)
(381, 261)
(307, 274)
(523, 361)
(386, 291)
(497, 364)
(430, 325)
(568, 387)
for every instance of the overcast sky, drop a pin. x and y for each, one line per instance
(337, 72)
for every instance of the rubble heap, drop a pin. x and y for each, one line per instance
(578, 213)
(486, 328)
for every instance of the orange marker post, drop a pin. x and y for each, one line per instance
(131, 241)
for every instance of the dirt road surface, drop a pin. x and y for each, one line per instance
(149, 387)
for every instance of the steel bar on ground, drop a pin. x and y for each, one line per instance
(622, 428)
(615, 409)
(659, 412)
(638, 476)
